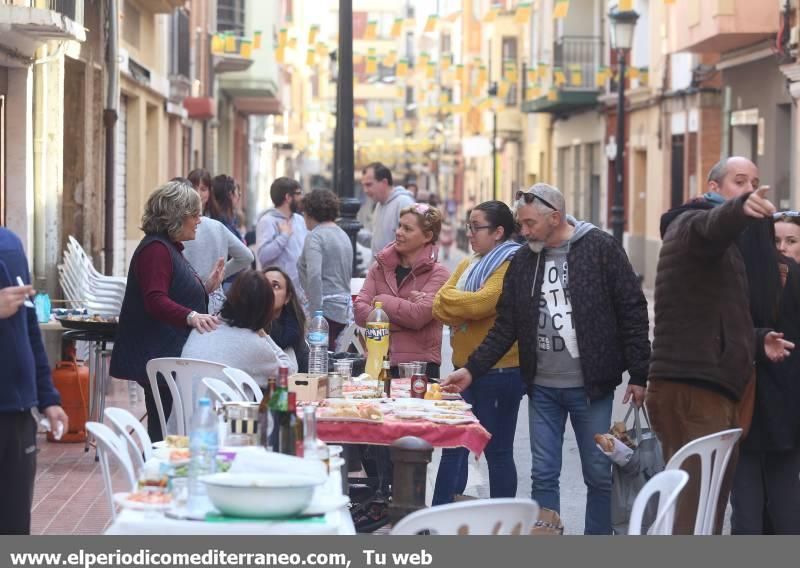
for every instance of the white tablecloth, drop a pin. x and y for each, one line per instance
(129, 522)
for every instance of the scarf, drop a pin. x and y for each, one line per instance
(488, 263)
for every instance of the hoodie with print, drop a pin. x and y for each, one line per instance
(387, 216)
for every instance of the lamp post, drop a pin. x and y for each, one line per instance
(492, 92)
(622, 27)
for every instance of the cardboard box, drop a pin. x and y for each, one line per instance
(309, 388)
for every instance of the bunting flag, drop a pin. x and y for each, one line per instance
(561, 9)
(576, 75)
(632, 73)
(283, 36)
(510, 72)
(322, 49)
(397, 28)
(447, 60)
(257, 39)
(625, 5)
(483, 75)
(423, 60)
(360, 111)
(372, 51)
(431, 23)
(644, 75)
(491, 15)
(362, 124)
(411, 23)
(280, 55)
(523, 13)
(559, 78)
(391, 126)
(552, 95)
(379, 112)
(603, 74)
(502, 90)
(358, 58)
(532, 93)
(400, 92)
(460, 72)
(312, 34)
(485, 104)
(230, 43)
(217, 44)
(246, 48)
(531, 75)
(402, 68)
(398, 113)
(372, 65)
(292, 43)
(310, 57)
(430, 70)
(372, 30)
(444, 98)
(390, 59)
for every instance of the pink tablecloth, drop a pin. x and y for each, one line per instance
(472, 436)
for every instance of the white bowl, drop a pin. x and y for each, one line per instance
(260, 495)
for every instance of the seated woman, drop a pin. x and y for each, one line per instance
(164, 297)
(240, 341)
(289, 324)
(405, 278)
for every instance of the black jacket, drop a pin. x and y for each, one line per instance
(609, 310)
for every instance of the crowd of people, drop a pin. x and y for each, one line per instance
(546, 306)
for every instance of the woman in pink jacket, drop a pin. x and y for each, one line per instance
(406, 278)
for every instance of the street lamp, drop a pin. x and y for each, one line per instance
(622, 27)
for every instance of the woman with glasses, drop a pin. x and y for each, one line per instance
(405, 278)
(766, 489)
(467, 303)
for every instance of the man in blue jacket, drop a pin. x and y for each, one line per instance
(25, 383)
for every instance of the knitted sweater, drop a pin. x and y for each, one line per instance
(471, 315)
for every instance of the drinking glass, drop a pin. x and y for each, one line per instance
(343, 367)
(406, 369)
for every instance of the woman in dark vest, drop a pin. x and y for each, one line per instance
(164, 297)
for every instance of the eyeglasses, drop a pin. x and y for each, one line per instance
(470, 228)
(529, 196)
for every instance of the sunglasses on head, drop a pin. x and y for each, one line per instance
(529, 197)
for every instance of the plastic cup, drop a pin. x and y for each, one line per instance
(407, 369)
(421, 367)
(343, 367)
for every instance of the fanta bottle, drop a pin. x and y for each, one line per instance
(377, 336)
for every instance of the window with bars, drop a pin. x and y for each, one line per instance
(230, 16)
(181, 44)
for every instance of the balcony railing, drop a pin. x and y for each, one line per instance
(230, 16)
(72, 9)
(578, 53)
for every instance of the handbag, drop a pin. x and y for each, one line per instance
(627, 480)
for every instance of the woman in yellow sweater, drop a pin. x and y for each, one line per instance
(467, 303)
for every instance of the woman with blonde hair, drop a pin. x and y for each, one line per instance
(164, 297)
(405, 279)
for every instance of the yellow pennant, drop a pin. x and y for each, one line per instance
(230, 44)
(575, 75)
(257, 39)
(372, 65)
(397, 28)
(522, 14)
(292, 43)
(533, 93)
(552, 95)
(447, 60)
(502, 90)
(602, 76)
(312, 34)
(561, 9)
(625, 5)
(483, 75)
(398, 113)
(283, 36)
(217, 44)
(245, 49)
(632, 73)
(280, 55)
(310, 57)
(444, 99)
(559, 78)
(485, 104)
(491, 15)
(510, 73)
(430, 71)
(322, 49)
(390, 59)
(391, 126)
(423, 60)
(360, 111)
(459, 72)
(372, 30)
(531, 75)
(430, 24)
(402, 68)
(400, 92)
(379, 112)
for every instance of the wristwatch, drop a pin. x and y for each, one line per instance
(190, 317)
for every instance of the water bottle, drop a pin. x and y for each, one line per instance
(42, 304)
(203, 442)
(318, 345)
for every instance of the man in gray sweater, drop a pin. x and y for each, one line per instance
(377, 182)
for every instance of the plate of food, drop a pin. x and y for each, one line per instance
(451, 405)
(351, 413)
(144, 500)
(407, 414)
(95, 322)
(173, 441)
(450, 418)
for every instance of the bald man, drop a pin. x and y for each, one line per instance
(704, 342)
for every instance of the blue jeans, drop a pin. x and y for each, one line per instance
(548, 409)
(495, 399)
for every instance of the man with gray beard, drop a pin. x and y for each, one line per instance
(573, 302)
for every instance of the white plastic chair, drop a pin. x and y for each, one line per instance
(714, 451)
(109, 443)
(479, 517)
(668, 486)
(222, 392)
(128, 426)
(245, 384)
(183, 377)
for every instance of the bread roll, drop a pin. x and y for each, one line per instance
(605, 441)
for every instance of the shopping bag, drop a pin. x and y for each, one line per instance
(627, 480)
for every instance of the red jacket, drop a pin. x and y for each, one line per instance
(415, 334)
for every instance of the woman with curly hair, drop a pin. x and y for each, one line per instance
(329, 289)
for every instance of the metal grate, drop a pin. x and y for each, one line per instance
(580, 51)
(230, 16)
(72, 9)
